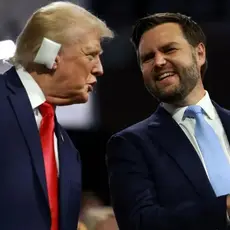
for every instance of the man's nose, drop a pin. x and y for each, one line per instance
(159, 60)
(98, 68)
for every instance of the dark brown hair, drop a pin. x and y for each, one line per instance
(190, 29)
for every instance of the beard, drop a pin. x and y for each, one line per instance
(188, 78)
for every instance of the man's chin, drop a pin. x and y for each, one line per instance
(69, 101)
(79, 100)
(171, 98)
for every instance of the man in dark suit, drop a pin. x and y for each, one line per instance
(171, 171)
(57, 61)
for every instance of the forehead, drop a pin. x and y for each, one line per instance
(162, 35)
(92, 42)
(89, 42)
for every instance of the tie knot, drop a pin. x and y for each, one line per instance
(46, 109)
(193, 111)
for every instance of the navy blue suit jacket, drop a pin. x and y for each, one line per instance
(23, 191)
(157, 181)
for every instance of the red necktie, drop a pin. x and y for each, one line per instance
(47, 141)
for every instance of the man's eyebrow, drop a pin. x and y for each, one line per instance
(170, 44)
(146, 55)
(93, 49)
(151, 53)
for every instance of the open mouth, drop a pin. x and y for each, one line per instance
(165, 75)
(90, 88)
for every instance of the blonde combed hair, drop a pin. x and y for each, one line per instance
(62, 22)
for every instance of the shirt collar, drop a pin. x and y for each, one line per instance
(34, 92)
(178, 113)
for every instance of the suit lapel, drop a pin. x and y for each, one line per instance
(64, 185)
(69, 179)
(24, 113)
(172, 138)
(67, 175)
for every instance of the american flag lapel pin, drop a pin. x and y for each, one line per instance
(62, 137)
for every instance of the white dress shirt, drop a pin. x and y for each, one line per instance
(188, 125)
(36, 98)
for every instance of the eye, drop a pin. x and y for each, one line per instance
(92, 56)
(147, 57)
(170, 50)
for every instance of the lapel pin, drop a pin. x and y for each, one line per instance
(62, 137)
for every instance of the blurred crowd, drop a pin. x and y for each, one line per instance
(95, 215)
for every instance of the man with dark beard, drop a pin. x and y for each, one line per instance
(171, 171)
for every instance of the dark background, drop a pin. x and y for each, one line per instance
(121, 96)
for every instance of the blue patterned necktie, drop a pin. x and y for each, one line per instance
(216, 162)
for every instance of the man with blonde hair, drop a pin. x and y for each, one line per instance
(57, 62)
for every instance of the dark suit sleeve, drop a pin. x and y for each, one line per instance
(134, 196)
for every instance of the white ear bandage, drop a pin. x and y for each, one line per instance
(47, 53)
